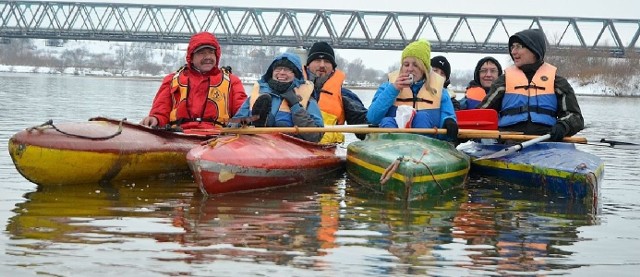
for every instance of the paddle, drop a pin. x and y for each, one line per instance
(462, 133)
(515, 148)
(512, 149)
(620, 144)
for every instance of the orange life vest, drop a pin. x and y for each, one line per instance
(217, 98)
(474, 96)
(331, 106)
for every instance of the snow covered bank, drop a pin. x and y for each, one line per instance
(595, 87)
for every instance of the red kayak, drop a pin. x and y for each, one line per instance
(234, 163)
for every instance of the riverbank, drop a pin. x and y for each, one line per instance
(593, 88)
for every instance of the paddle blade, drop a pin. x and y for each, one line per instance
(621, 144)
(504, 152)
(515, 148)
(479, 119)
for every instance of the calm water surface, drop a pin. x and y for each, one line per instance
(326, 228)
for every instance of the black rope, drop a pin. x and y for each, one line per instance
(50, 123)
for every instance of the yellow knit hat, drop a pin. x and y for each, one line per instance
(421, 50)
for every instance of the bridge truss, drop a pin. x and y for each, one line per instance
(447, 32)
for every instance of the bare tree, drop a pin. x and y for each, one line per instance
(122, 59)
(355, 70)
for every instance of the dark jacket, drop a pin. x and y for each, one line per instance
(476, 72)
(354, 110)
(568, 113)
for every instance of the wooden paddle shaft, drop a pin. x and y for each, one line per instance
(462, 133)
(299, 130)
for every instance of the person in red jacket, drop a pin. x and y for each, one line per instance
(199, 95)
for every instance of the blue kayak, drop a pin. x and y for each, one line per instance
(557, 168)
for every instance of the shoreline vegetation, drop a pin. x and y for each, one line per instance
(582, 86)
(590, 73)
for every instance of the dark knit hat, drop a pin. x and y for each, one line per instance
(481, 62)
(284, 62)
(321, 50)
(442, 63)
(532, 39)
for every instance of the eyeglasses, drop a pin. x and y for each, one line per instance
(491, 71)
(516, 46)
(283, 69)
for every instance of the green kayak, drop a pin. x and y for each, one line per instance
(406, 166)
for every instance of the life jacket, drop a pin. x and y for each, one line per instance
(331, 107)
(535, 101)
(217, 102)
(426, 103)
(474, 96)
(304, 91)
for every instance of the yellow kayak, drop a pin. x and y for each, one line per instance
(98, 150)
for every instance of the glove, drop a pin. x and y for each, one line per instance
(452, 129)
(558, 132)
(291, 97)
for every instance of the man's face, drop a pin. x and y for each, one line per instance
(488, 73)
(521, 55)
(320, 67)
(204, 59)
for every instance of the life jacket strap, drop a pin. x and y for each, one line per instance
(527, 109)
(414, 99)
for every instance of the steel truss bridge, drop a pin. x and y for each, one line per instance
(376, 30)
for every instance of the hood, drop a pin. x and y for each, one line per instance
(533, 39)
(476, 72)
(200, 39)
(293, 58)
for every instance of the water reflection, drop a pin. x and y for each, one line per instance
(501, 228)
(487, 227)
(331, 225)
(98, 213)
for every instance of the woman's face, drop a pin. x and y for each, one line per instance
(283, 74)
(410, 66)
(488, 73)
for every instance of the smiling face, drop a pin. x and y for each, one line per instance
(204, 59)
(521, 55)
(488, 73)
(282, 74)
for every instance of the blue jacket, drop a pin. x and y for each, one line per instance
(284, 119)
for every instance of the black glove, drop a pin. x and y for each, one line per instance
(558, 132)
(452, 129)
(291, 97)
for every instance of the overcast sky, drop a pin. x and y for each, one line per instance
(379, 59)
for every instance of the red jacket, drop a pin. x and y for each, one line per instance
(198, 88)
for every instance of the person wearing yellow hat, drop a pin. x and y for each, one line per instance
(416, 90)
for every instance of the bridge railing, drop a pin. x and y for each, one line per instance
(469, 33)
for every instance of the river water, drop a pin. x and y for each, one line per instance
(326, 228)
